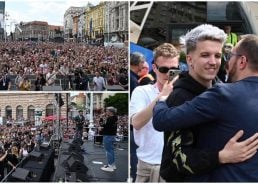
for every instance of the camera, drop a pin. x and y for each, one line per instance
(172, 73)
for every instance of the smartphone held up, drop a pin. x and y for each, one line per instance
(172, 73)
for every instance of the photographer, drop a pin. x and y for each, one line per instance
(81, 80)
(40, 82)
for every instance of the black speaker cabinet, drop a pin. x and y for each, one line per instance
(78, 141)
(36, 156)
(20, 174)
(76, 166)
(74, 148)
(77, 156)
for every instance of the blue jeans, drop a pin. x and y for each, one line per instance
(108, 141)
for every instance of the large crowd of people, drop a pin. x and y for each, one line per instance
(42, 63)
(17, 141)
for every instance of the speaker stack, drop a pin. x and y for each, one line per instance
(71, 166)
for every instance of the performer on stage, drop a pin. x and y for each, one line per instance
(109, 133)
(79, 120)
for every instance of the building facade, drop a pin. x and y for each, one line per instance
(95, 22)
(81, 27)
(23, 106)
(35, 30)
(55, 32)
(70, 13)
(2, 20)
(116, 21)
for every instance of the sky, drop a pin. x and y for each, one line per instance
(51, 11)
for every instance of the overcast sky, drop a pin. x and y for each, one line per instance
(51, 11)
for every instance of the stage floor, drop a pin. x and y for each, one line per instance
(95, 158)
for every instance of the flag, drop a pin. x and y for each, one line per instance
(90, 25)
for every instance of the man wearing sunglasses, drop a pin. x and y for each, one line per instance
(143, 99)
(219, 113)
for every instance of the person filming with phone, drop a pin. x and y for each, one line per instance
(143, 99)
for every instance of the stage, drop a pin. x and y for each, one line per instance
(94, 159)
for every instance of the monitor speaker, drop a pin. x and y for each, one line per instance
(20, 174)
(76, 166)
(77, 156)
(78, 141)
(74, 148)
(36, 156)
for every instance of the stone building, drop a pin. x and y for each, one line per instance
(35, 30)
(69, 22)
(116, 21)
(55, 32)
(23, 106)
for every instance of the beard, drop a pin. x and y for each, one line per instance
(232, 74)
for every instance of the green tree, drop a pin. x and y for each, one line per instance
(119, 101)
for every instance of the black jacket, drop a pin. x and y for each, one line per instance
(109, 128)
(80, 120)
(180, 158)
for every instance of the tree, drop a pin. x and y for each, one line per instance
(119, 101)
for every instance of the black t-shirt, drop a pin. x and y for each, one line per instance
(79, 121)
(12, 158)
(110, 126)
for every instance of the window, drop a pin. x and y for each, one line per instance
(19, 113)
(31, 113)
(50, 110)
(8, 112)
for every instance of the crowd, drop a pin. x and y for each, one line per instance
(17, 141)
(74, 63)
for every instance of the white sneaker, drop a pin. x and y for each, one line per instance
(113, 165)
(108, 168)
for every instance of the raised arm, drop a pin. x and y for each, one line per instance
(142, 117)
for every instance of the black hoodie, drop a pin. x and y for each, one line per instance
(180, 158)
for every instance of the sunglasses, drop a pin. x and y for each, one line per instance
(164, 69)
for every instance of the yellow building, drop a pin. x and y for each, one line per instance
(95, 22)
